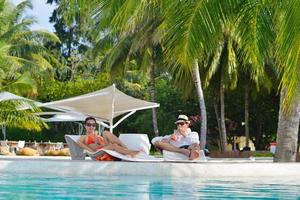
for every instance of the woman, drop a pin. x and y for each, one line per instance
(93, 142)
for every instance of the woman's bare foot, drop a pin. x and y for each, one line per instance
(194, 154)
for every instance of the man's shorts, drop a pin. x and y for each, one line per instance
(184, 147)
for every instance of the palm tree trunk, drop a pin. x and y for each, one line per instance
(287, 132)
(247, 114)
(153, 99)
(197, 81)
(222, 113)
(218, 122)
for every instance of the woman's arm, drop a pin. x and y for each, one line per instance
(81, 143)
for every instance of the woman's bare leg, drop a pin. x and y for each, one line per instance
(121, 149)
(112, 139)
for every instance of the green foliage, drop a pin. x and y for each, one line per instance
(55, 133)
(52, 89)
(16, 134)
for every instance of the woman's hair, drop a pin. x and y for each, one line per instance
(89, 118)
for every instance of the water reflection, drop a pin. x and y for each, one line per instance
(30, 186)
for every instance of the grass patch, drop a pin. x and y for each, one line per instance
(155, 153)
(262, 154)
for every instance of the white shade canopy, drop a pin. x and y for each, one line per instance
(105, 104)
(8, 96)
(65, 117)
(5, 96)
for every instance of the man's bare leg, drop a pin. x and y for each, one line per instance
(195, 151)
(170, 147)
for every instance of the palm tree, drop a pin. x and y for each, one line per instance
(224, 66)
(22, 56)
(130, 28)
(288, 60)
(193, 31)
(22, 49)
(141, 41)
(266, 26)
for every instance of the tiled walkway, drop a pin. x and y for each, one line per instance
(212, 168)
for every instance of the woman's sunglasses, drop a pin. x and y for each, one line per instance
(90, 125)
(180, 123)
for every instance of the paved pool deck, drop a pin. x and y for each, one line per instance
(214, 168)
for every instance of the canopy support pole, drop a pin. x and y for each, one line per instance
(111, 125)
(122, 119)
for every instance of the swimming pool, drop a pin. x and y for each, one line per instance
(32, 186)
(52, 178)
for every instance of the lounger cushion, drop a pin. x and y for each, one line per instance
(61, 152)
(4, 150)
(26, 151)
(52, 153)
(64, 152)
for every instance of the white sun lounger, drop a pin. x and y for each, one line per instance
(75, 151)
(179, 157)
(141, 157)
(136, 141)
(78, 153)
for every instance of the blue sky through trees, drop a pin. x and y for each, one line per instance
(41, 11)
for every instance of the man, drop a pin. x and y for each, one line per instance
(183, 140)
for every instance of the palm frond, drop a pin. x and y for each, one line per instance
(288, 53)
(22, 84)
(256, 34)
(13, 116)
(118, 55)
(19, 10)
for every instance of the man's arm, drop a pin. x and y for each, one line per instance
(194, 146)
(165, 139)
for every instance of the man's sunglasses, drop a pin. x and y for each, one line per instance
(180, 123)
(89, 125)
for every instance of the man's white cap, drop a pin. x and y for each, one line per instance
(182, 118)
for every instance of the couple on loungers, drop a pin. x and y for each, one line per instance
(183, 140)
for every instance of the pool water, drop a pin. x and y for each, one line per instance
(31, 186)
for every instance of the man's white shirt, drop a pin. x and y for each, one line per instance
(192, 137)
